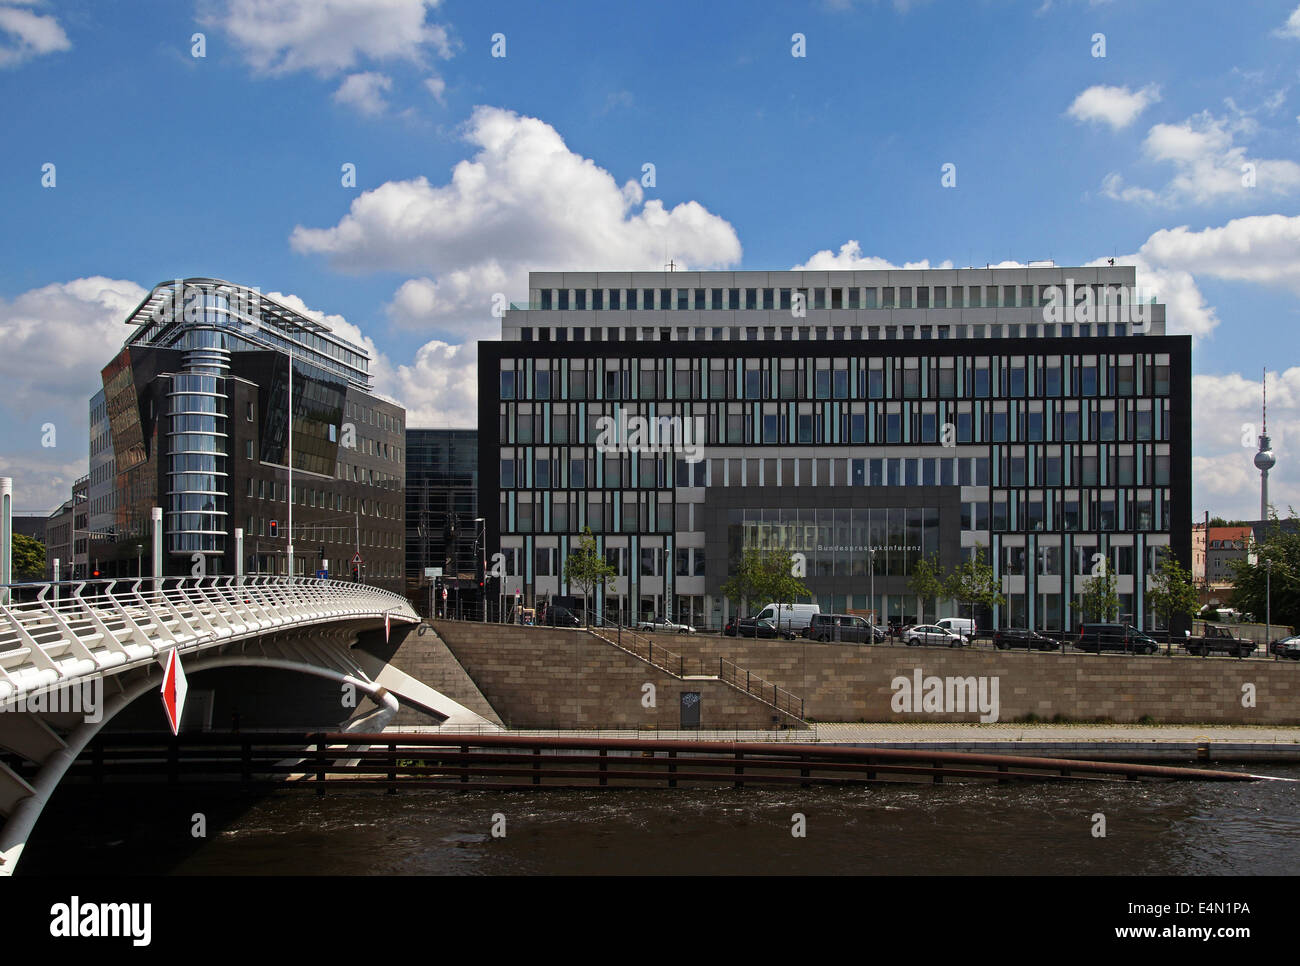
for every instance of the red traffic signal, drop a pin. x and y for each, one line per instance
(275, 526)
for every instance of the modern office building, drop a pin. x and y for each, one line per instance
(442, 531)
(864, 419)
(193, 418)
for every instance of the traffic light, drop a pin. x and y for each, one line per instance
(275, 527)
(322, 554)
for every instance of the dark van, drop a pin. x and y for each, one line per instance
(1116, 637)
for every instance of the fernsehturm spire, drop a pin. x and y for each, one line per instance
(1264, 459)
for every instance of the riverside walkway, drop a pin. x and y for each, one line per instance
(1102, 741)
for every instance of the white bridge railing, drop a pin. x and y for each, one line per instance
(56, 634)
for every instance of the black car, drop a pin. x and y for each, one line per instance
(1096, 638)
(556, 616)
(1023, 637)
(750, 627)
(842, 629)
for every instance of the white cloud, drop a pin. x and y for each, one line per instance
(56, 339)
(850, 258)
(1291, 28)
(440, 388)
(1264, 249)
(365, 92)
(523, 202)
(1208, 164)
(328, 36)
(436, 86)
(43, 478)
(28, 34)
(1117, 106)
(1226, 414)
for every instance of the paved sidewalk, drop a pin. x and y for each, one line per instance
(1124, 742)
(855, 733)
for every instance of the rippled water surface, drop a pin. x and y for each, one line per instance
(1190, 828)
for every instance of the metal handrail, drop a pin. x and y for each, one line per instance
(74, 629)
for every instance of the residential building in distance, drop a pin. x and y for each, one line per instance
(193, 417)
(863, 419)
(58, 541)
(442, 470)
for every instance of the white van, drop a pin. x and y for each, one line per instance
(958, 625)
(791, 617)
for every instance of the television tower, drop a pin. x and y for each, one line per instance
(1264, 459)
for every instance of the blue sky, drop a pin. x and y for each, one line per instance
(228, 165)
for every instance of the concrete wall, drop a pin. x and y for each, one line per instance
(421, 653)
(845, 682)
(556, 678)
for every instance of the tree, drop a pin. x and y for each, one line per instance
(777, 580)
(926, 581)
(1172, 593)
(1100, 601)
(586, 570)
(28, 558)
(1254, 588)
(745, 585)
(765, 576)
(972, 582)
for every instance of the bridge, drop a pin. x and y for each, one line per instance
(75, 654)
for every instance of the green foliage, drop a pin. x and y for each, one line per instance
(1100, 601)
(764, 576)
(1252, 587)
(586, 569)
(29, 558)
(927, 582)
(1172, 593)
(972, 582)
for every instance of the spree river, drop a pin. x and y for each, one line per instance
(1184, 828)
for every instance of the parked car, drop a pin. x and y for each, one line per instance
(560, 617)
(755, 627)
(663, 625)
(791, 617)
(1219, 640)
(1023, 637)
(933, 634)
(964, 626)
(1286, 647)
(842, 629)
(1096, 638)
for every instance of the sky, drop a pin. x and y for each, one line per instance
(144, 141)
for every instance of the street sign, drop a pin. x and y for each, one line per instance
(433, 571)
(356, 557)
(444, 593)
(322, 575)
(174, 687)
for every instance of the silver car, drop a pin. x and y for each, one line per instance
(933, 634)
(663, 625)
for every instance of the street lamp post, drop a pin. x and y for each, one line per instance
(1268, 603)
(480, 538)
(289, 547)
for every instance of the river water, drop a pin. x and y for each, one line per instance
(1185, 828)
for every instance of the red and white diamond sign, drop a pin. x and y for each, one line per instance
(174, 687)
